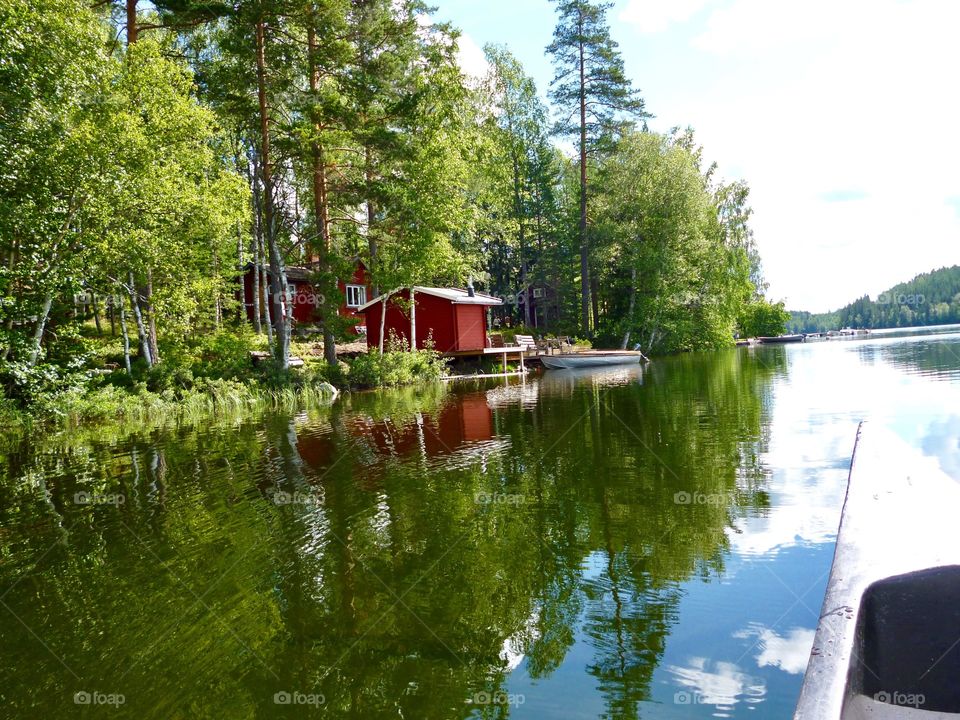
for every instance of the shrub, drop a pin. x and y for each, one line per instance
(224, 354)
(42, 385)
(396, 367)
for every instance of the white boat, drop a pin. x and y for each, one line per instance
(596, 358)
(887, 646)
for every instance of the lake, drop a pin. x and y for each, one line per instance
(623, 543)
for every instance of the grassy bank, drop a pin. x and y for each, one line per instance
(213, 375)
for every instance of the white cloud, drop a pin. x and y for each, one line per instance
(653, 16)
(789, 653)
(471, 58)
(718, 683)
(810, 99)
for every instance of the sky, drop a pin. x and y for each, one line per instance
(841, 115)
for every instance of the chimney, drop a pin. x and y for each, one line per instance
(470, 291)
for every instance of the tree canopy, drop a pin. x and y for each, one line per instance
(151, 154)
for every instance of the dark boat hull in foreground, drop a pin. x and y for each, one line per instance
(887, 645)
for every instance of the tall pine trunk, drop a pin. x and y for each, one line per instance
(257, 240)
(321, 207)
(131, 7)
(278, 275)
(584, 248)
(371, 216)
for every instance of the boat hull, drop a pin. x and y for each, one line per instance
(886, 643)
(582, 360)
(781, 339)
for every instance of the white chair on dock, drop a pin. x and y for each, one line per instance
(526, 343)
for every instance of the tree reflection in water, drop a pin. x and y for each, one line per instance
(399, 553)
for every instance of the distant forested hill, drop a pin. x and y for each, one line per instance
(931, 298)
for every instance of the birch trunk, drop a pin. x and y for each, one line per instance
(278, 275)
(38, 331)
(383, 321)
(255, 286)
(126, 337)
(138, 316)
(217, 306)
(151, 320)
(632, 306)
(96, 312)
(265, 294)
(242, 315)
(595, 301)
(413, 319)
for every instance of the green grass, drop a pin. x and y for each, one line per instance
(85, 382)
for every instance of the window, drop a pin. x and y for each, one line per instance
(538, 292)
(356, 295)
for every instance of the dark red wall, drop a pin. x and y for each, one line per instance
(305, 300)
(453, 327)
(471, 327)
(359, 277)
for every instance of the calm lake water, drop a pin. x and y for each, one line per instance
(619, 544)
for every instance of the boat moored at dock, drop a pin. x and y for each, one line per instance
(780, 339)
(594, 358)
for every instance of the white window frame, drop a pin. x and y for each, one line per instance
(538, 293)
(360, 294)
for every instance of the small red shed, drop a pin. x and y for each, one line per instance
(305, 300)
(455, 319)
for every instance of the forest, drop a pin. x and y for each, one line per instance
(151, 153)
(931, 298)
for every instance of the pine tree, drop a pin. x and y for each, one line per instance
(590, 87)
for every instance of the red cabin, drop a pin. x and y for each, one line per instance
(305, 300)
(455, 319)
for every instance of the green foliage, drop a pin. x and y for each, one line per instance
(397, 365)
(42, 386)
(582, 35)
(134, 188)
(679, 273)
(762, 318)
(931, 298)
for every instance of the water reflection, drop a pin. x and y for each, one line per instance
(720, 684)
(577, 544)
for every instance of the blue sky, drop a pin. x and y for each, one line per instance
(841, 114)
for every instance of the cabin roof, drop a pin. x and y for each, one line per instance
(457, 296)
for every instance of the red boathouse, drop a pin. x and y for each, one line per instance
(455, 319)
